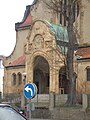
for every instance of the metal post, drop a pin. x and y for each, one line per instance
(37, 100)
(29, 109)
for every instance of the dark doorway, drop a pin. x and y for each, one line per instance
(41, 74)
(63, 82)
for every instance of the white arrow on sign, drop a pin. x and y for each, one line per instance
(29, 89)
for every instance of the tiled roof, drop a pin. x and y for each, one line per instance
(27, 21)
(83, 52)
(19, 61)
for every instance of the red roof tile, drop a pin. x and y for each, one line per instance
(19, 61)
(84, 52)
(27, 21)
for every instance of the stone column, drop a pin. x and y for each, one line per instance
(51, 80)
(54, 80)
(57, 81)
(54, 86)
(51, 90)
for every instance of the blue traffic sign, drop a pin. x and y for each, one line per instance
(30, 90)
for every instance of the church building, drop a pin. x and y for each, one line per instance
(38, 56)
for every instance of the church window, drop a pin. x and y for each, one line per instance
(88, 74)
(14, 79)
(64, 9)
(61, 14)
(65, 3)
(19, 78)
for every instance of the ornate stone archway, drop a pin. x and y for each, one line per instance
(41, 42)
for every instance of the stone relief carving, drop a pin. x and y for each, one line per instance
(29, 46)
(38, 42)
(48, 44)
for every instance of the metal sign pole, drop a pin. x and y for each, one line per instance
(30, 91)
(37, 100)
(29, 109)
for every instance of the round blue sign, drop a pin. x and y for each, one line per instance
(30, 90)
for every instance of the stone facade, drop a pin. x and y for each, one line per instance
(44, 60)
(83, 86)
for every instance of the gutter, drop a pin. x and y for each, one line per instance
(14, 66)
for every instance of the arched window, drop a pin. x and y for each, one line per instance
(88, 73)
(13, 79)
(19, 78)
